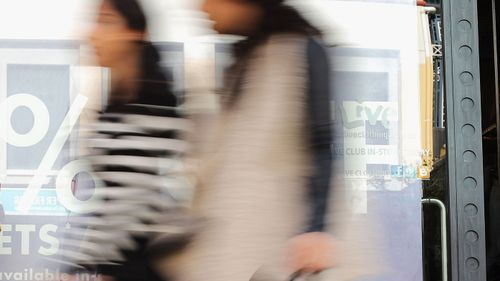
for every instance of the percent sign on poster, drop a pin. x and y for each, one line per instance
(38, 131)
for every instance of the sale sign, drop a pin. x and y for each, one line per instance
(36, 209)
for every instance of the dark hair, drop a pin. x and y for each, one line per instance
(133, 13)
(277, 18)
(151, 71)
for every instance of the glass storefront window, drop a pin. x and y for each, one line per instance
(387, 102)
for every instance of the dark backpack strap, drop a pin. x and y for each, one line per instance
(319, 128)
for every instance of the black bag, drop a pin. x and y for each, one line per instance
(266, 274)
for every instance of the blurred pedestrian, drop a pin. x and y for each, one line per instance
(265, 173)
(135, 153)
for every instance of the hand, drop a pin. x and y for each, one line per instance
(105, 278)
(311, 252)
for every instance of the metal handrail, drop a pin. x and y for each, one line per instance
(444, 241)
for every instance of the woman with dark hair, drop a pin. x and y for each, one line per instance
(265, 176)
(138, 207)
(119, 41)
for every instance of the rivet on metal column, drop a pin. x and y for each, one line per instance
(463, 122)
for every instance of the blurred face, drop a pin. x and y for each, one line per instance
(111, 38)
(236, 17)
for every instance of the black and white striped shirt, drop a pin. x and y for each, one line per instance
(141, 194)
